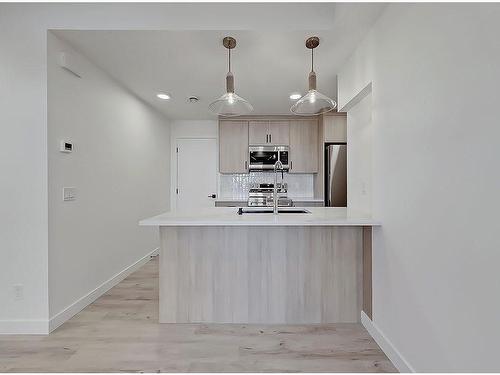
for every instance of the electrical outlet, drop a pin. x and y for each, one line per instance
(66, 146)
(18, 291)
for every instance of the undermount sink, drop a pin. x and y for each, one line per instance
(265, 210)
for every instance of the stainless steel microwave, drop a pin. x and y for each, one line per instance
(264, 157)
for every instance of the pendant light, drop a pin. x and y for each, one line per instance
(313, 103)
(230, 104)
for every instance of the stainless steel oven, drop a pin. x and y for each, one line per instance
(261, 195)
(264, 157)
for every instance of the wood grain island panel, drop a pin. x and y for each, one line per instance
(259, 274)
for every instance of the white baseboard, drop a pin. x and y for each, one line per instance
(86, 300)
(386, 345)
(24, 327)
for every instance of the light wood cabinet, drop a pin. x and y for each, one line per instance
(335, 127)
(233, 146)
(274, 132)
(301, 135)
(258, 132)
(304, 146)
(279, 133)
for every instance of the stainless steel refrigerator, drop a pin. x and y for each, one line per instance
(336, 175)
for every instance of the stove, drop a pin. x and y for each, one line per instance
(261, 195)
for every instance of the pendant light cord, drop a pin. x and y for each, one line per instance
(312, 59)
(229, 50)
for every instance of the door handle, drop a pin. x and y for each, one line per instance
(212, 195)
(270, 138)
(291, 165)
(246, 164)
(267, 138)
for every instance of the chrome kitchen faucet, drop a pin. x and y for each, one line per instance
(277, 166)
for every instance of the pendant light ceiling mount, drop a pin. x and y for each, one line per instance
(230, 104)
(313, 103)
(312, 42)
(229, 42)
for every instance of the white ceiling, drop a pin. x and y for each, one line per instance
(268, 64)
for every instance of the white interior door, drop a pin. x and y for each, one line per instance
(196, 173)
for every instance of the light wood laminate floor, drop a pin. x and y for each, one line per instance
(120, 333)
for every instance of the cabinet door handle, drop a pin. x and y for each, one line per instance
(270, 138)
(291, 165)
(267, 138)
(246, 165)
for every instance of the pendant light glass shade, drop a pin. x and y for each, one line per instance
(313, 103)
(230, 104)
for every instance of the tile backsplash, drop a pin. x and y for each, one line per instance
(235, 186)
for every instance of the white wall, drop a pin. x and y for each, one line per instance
(23, 119)
(120, 168)
(359, 155)
(435, 75)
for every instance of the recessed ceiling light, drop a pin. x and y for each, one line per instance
(163, 96)
(295, 96)
(193, 99)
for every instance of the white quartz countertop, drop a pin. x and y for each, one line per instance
(306, 199)
(296, 199)
(227, 216)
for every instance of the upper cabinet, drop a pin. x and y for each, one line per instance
(304, 146)
(300, 134)
(258, 132)
(233, 146)
(279, 133)
(273, 132)
(335, 127)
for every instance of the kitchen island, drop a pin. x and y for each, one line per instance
(292, 268)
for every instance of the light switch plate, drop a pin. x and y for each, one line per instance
(18, 291)
(69, 193)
